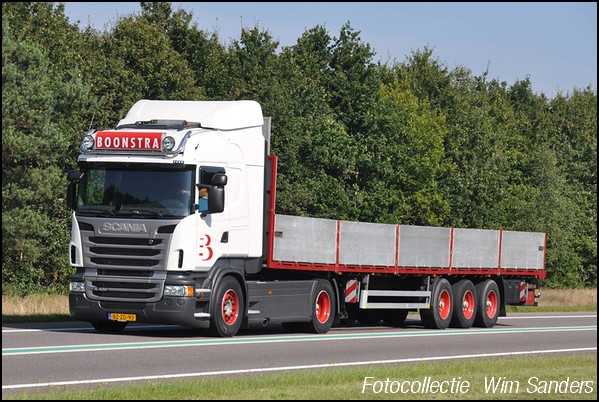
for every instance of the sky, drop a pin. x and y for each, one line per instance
(552, 43)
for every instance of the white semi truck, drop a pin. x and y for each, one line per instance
(148, 248)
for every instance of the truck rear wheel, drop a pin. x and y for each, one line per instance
(226, 310)
(438, 316)
(464, 310)
(488, 300)
(323, 308)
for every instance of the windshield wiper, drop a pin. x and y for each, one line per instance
(101, 211)
(141, 211)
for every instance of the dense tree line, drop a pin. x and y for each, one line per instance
(409, 142)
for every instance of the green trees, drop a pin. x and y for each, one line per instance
(42, 110)
(412, 142)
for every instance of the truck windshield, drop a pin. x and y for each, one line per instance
(151, 192)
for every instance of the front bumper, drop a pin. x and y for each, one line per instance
(168, 310)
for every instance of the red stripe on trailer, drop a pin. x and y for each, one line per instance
(337, 245)
(451, 240)
(544, 273)
(304, 266)
(271, 210)
(396, 248)
(500, 248)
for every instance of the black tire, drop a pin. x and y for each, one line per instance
(109, 327)
(323, 308)
(395, 317)
(438, 316)
(465, 304)
(488, 304)
(227, 308)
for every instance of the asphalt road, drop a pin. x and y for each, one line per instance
(36, 357)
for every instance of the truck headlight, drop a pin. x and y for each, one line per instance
(178, 290)
(77, 287)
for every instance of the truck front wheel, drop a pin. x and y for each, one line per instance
(323, 308)
(226, 308)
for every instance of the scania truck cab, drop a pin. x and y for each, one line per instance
(142, 247)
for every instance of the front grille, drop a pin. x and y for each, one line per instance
(124, 272)
(125, 267)
(132, 288)
(126, 241)
(122, 262)
(125, 252)
(122, 251)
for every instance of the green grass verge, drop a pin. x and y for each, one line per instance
(549, 309)
(554, 377)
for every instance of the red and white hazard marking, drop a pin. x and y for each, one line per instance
(351, 291)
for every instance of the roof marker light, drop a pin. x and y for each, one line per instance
(87, 143)
(168, 143)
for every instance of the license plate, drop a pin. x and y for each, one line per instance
(121, 317)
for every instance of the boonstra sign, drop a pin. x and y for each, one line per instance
(142, 141)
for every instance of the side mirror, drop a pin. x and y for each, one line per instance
(216, 194)
(216, 199)
(219, 180)
(73, 177)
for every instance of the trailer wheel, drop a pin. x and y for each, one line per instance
(226, 310)
(488, 302)
(323, 308)
(464, 310)
(438, 316)
(395, 317)
(109, 327)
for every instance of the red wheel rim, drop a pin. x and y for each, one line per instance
(323, 307)
(444, 304)
(491, 304)
(230, 307)
(468, 305)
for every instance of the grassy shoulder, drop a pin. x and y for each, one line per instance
(561, 377)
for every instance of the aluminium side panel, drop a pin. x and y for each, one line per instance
(367, 244)
(475, 248)
(522, 250)
(424, 246)
(302, 239)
